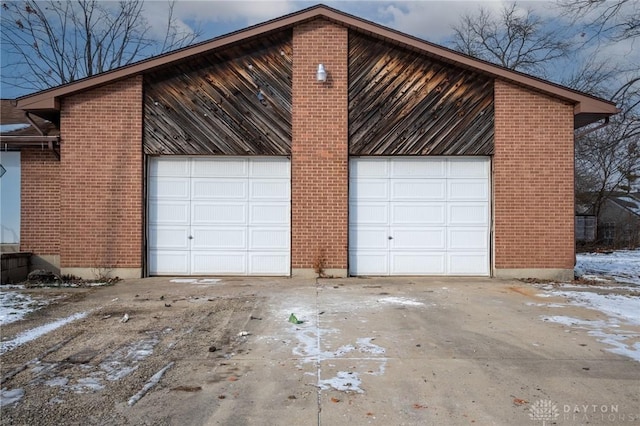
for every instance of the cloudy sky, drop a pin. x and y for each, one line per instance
(430, 20)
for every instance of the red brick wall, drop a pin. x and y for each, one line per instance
(532, 180)
(101, 177)
(319, 166)
(39, 202)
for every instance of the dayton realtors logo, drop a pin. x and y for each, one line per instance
(546, 410)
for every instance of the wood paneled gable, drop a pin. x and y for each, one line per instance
(404, 103)
(231, 102)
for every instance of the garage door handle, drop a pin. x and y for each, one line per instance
(390, 237)
(191, 237)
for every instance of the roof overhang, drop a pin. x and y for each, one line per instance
(587, 109)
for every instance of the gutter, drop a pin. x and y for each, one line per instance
(16, 142)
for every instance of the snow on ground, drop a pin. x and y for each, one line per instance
(622, 265)
(14, 306)
(34, 333)
(620, 303)
(625, 308)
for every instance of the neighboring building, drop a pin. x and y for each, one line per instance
(242, 156)
(15, 125)
(619, 223)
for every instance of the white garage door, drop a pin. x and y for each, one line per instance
(224, 216)
(419, 216)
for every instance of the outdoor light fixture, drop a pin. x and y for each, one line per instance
(321, 75)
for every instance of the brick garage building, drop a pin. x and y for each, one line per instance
(232, 157)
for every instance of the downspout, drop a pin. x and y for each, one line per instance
(33, 123)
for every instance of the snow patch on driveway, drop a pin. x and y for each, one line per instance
(623, 307)
(400, 301)
(619, 303)
(622, 342)
(14, 306)
(34, 333)
(309, 349)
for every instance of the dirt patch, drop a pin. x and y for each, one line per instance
(88, 370)
(525, 291)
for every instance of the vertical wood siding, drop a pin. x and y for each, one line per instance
(232, 102)
(403, 103)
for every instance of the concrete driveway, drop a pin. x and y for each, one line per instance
(387, 351)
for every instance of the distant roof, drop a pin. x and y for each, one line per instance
(14, 122)
(628, 202)
(587, 109)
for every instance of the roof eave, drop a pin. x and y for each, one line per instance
(48, 100)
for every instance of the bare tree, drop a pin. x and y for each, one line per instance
(613, 19)
(56, 42)
(608, 160)
(515, 38)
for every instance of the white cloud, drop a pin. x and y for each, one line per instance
(215, 17)
(248, 12)
(429, 20)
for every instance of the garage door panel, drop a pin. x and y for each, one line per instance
(367, 213)
(269, 239)
(468, 190)
(268, 263)
(269, 168)
(418, 190)
(369, 238)
(468, 238)
(214, 189)
(411, 263)
(168, 212)
(219, 262)
(169, 262)
(219, 167)
(369, 263)
(468, 168)
(169, 237)
(270, 189)
(403, 214)
(176, 167)
(417, 168)
(219, 238)
(169, 188)
(222, 213)
(369, 190)
(369, 168)
(467, 263)
(418, 239)
(269, 214)
(471, 214)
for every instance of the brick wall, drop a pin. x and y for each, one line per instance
(39, 202)
(101, 177)
(320, 146)
(533, 180)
